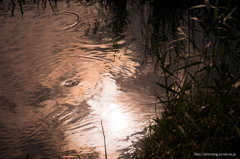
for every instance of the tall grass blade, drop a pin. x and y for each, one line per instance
(213, 56)
(204, 68)
(189, 65)
(237, 129)
(158, 97)
(216, 11)
(234, 19)
(182, 94)
(195, 46)
(182, 130)
(207, 46)
(174, 41)
(179, 28)
(192, 120)
(228, 17)
(194, 28)
(202, 6)
(104, 141)
(197, 6)
(227, 117)
(165, 70)
(208, 7)
(196, 19)
(192, 77)
(211, 29)
(169, 89)
(217, 130)
(77, 155)
(221, 28)
(217, 69)
(236, 85)
(223, 65)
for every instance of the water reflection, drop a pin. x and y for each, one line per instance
(117, 121)
(42, 117)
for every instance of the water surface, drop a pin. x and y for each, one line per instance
(42, 117)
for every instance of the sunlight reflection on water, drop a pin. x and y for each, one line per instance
(117, 121)
(46, 118)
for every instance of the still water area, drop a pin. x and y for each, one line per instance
(44, 116)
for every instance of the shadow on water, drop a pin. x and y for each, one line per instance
(111, 48)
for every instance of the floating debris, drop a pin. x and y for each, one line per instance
(70, 83)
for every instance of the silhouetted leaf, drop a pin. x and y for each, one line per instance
(192, 120)
(169, 89)
(182, 130)
(182, 92)
(189, 65)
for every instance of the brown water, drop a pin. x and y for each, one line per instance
(42, 117)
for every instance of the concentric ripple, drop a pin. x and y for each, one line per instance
(58, 21)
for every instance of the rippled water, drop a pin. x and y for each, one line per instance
(39, 115)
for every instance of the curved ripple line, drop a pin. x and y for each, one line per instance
(73, 25)
(68, 27)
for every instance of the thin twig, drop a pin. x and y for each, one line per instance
(104, 141)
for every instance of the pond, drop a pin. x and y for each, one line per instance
(64, 72)
(73, 72)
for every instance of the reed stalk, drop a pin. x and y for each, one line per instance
(104, 141)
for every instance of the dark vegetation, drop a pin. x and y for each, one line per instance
(202, 105)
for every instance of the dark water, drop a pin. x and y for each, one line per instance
(42, 117)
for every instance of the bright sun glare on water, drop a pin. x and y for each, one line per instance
(115, 117)
(117, 121)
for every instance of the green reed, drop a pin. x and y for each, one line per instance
(201, 109)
